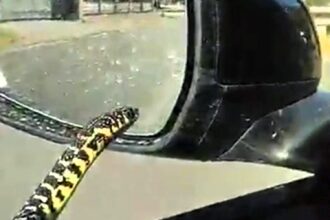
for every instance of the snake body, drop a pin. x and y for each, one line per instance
(52, 194)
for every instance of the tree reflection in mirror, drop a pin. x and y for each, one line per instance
(115, 54)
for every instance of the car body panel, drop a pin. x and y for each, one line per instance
(126, 186)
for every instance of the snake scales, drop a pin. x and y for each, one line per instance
(52, 194)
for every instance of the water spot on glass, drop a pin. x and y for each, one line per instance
(118, 62)
(319, 109)
(102, 48)
(86, 90)
(134, 69)
(99, 69)
(272, 123)
(282, 155)
(23, 119)
(134, 50)
(247, 119)
(274, 135)
(17, 80)
(90, 48)
(158, 83)
(119, 81)
(117, 103)
(45, 73)
(132, 85)
(175, 75)
(280, 112)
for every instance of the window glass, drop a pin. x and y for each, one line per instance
(320, 11)
(94, 56)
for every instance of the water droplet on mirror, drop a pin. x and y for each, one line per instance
(23, 119)
(280, 112)
(175, 75)
(119, 81)
(282, 155)
(18, 80)
(274, 135)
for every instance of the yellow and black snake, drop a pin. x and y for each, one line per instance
(52, 194)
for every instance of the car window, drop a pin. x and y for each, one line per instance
(320, 10)
(73, 62)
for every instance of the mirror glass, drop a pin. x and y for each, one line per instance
(75, 59)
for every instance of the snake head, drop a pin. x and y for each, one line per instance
(117, 121)
(121, 118)
(129, 113)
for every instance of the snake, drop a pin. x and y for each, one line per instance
(53, 193)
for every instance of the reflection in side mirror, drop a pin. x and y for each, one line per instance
(75, 70)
